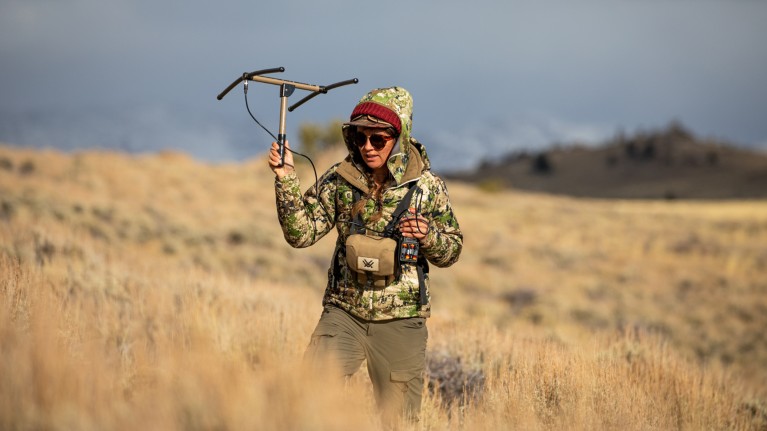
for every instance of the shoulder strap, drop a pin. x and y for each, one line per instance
(401, 209)
(422, 266)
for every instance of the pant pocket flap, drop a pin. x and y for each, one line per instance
(405, 375)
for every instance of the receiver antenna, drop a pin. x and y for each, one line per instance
(286, 89)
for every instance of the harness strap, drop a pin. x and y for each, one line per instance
(422, 267)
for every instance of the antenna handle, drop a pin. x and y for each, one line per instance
(341, 84)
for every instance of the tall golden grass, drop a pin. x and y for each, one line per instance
(156, 292)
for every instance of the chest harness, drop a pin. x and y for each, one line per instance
(377, 260)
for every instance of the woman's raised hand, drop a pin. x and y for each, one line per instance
(274, 160)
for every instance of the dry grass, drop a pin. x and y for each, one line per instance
(156, 292)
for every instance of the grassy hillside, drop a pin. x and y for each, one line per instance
(157, 292)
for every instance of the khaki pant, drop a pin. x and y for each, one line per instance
(395, 351)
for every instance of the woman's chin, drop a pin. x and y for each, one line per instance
(373, 162)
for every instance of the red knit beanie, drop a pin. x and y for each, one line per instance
(379, 111)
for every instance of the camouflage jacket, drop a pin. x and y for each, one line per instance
(307, 218)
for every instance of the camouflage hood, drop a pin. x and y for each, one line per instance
(408, 158)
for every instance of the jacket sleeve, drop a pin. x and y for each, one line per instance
(305, 219)
(442, 246)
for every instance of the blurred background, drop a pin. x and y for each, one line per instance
(488, 77)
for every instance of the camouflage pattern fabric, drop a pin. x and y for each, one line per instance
(306, 218)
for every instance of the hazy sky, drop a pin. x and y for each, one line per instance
(487, 76)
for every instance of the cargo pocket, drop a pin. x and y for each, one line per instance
(410, 384)
(408, 371)
(320, 345)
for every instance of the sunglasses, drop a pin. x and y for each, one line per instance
(377, 141)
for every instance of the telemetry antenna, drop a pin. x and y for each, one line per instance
(286, 89)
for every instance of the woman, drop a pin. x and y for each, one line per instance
(393, 217)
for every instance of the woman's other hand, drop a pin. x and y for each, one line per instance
(413, 226)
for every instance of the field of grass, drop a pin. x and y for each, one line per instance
(156, 292)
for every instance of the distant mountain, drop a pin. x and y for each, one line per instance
(667, 164)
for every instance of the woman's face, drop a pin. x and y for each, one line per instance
(375, 146)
